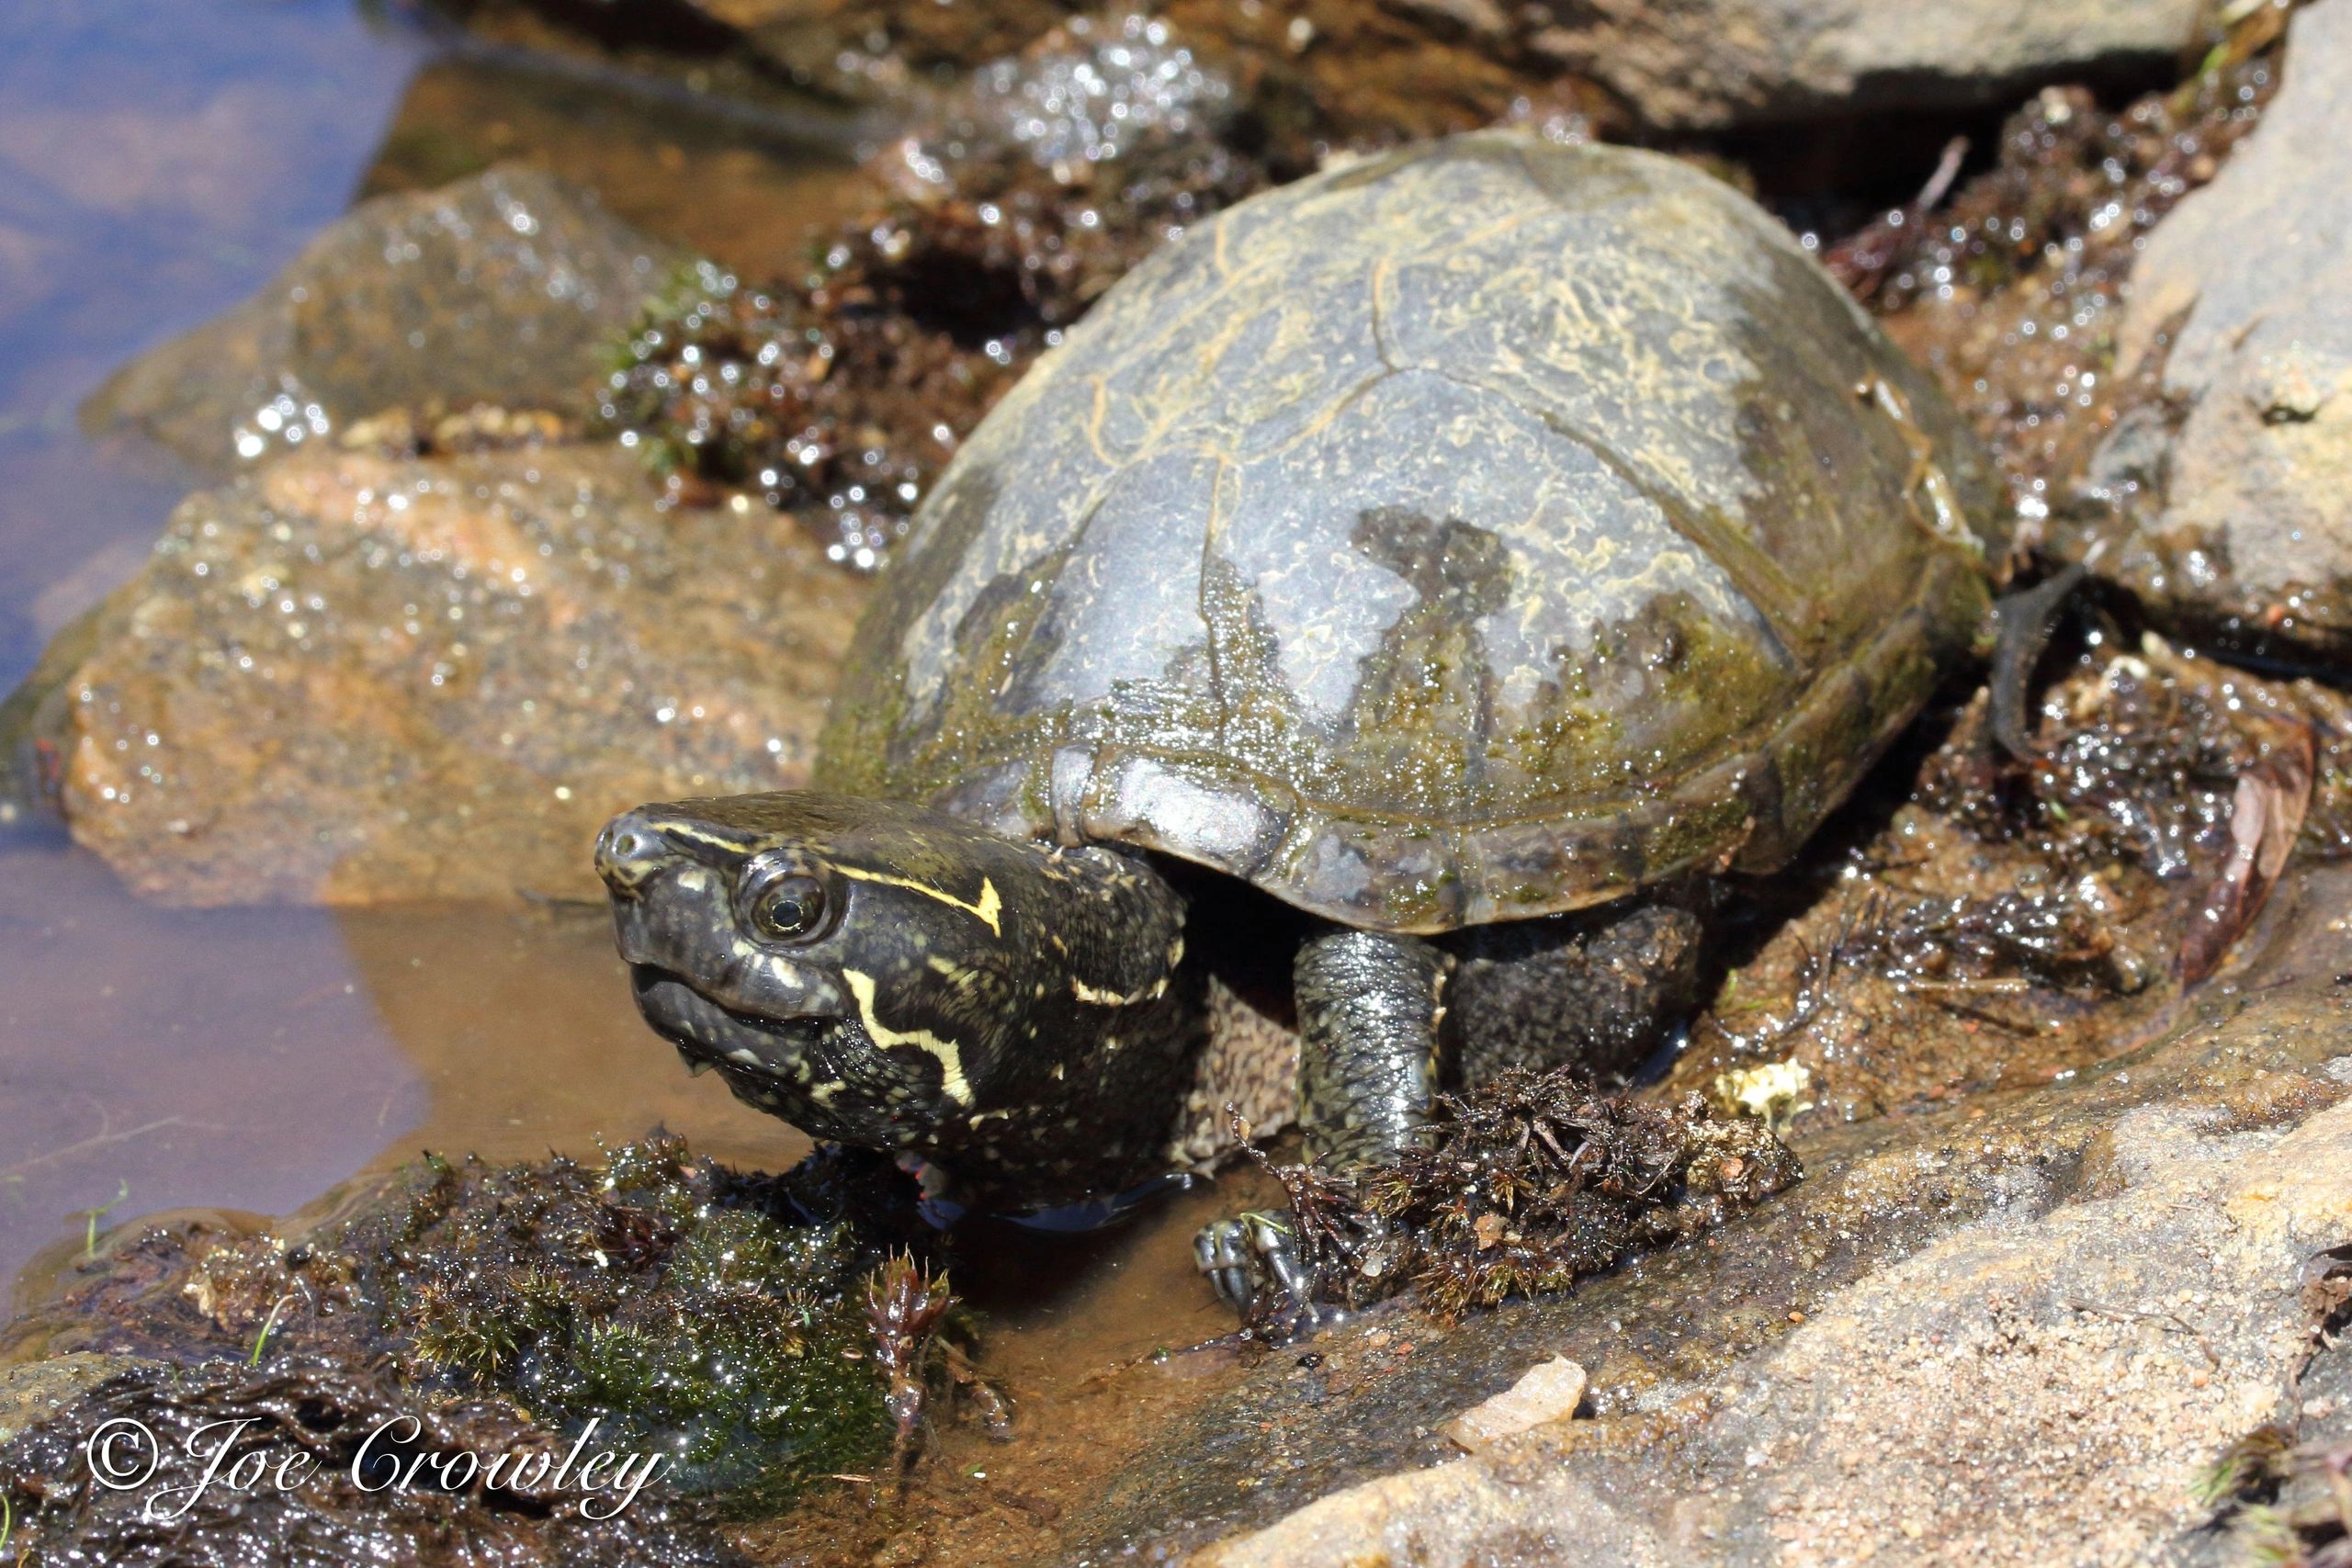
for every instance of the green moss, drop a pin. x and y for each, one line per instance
(656, 1294)
(683, 1310)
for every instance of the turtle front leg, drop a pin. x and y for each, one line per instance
(1369, 1007)
(1368, 1012)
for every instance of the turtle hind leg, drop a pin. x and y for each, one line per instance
(1596, 990)
(1369, 1012)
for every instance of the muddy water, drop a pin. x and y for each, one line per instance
(158, 163)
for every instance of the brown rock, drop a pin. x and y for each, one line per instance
(1385, 68)
(509, 288)
(859, 47)
(349, 678)
(2029, 1388)
(1350, 70)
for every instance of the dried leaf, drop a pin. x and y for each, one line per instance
(2272, 797)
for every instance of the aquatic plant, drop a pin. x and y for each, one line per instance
(656, 1294)
(651, 1300)
(294, 1487)
(1525, 1185)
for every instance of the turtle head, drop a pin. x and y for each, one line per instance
(874, 972)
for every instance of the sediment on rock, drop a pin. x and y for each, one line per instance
(350, 679)
(2230, 487)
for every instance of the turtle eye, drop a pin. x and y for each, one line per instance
(785, 906)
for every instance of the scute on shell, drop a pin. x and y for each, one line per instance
(1474, 532)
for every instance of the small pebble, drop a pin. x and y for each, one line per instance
(1549, 1391)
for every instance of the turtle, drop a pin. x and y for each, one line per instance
(1405, 602)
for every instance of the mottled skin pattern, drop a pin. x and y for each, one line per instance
(1471, 534)
(1021, 1015)
(1537, 993)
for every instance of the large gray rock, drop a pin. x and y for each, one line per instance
(2244, 297)
(350, 679)
(1695, 64)
(508, 290)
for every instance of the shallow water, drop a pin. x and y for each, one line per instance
(157, 164)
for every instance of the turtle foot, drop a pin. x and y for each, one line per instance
(1257, 1267)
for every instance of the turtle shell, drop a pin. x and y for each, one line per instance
(1474, 532)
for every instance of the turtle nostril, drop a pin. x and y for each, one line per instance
(626, 857)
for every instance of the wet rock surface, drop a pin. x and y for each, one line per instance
(2014, 923)
(2013, 288)
(2235, 478)
(2097, 1284)
(648, 1304)
(351, 678)
(1354, 67)
(1422, 67)
(2031, 1386)
(505, 289)
(1690, 63)
(750, 180)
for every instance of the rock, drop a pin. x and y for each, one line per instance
(1708, 63)
(348, 679)
(29, 716)
(1420, 67)
(1344, 71)
(2015, 1331)
(862, 49)
(508, 290)
(1549, 1391)
(2044, 1387)
(743, 171)
(33, 1391)
(2243, 303)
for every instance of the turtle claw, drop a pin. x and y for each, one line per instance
(1221, 1249)
(1255, 1264)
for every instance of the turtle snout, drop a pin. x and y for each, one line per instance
(629, 853)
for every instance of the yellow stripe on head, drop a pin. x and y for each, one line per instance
(950, 1055)
(986, 909)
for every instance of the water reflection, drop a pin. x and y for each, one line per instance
(518, 1025)
(222, 1057)
(252, 1058)
(158, 163)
